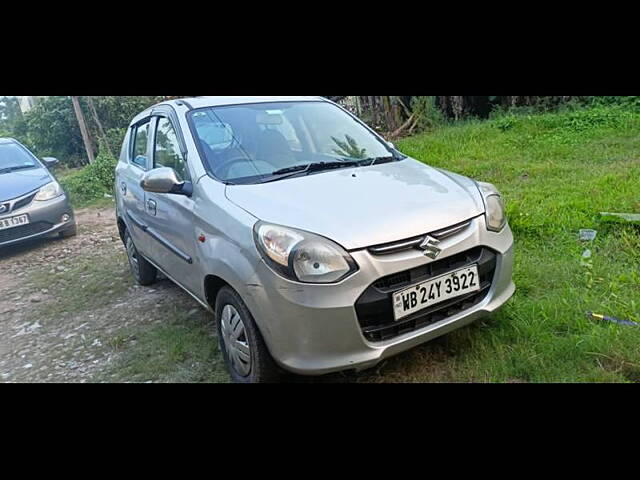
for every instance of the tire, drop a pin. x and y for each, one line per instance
(69, 232)
(260, 368)
(143, 272)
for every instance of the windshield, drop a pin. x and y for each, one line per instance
(258, 142)
(14, 157)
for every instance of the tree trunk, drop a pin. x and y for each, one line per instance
(94, 113)
(457, 107)
(83, 129)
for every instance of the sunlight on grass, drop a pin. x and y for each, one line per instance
(182, 349)
(557, 171)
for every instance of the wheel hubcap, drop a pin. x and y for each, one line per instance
(236, 343)
(133, 258)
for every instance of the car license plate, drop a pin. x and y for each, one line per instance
(13, 221)
(431, 292)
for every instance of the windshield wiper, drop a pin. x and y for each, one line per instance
(285, 173)
(322, 166)
(380, 160)
(13, 169)
(294, 169)
(309, 168)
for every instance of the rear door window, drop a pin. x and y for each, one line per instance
(140, 142)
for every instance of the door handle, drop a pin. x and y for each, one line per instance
(152, 206)
(123, 188)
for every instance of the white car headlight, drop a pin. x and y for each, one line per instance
(302, 256)
(49, 191)
(495, 209)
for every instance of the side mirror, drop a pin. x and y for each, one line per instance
(165, 180)
(50, 161)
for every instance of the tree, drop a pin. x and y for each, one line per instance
(457, 107)
(88, 144)
(10, 112)
(96, 118)
(51, 128)
(115, 113)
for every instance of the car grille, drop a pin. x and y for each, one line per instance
(415, 242)
(23, 231)
(20, 203)
(375, 306)
(23, 202)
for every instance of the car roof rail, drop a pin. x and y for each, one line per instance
(184, 103)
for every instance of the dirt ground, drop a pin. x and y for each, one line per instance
(63, 302)
(71, 312)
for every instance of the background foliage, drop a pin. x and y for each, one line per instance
(94, 182)
(51, 127)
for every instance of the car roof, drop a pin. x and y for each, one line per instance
(7, 140)
(200, 102)
(220, 101)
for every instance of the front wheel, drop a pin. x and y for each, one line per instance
(245, 353)
(69, 232)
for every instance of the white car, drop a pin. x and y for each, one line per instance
(318, 246)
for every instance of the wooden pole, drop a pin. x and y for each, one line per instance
(83, 128)
(94, 113)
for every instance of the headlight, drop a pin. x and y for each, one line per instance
(495, 213)
(302, 256)
(49, 191)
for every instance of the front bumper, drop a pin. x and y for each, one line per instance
(45, 219)
(315, 329)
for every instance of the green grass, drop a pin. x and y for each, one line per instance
(557, 171)
(182, 349)
(82, 282)
(169, 341)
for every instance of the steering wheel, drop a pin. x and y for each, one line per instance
(224, 167)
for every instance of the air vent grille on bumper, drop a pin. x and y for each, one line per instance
(375, 305)
(23, 231)
(23, 202)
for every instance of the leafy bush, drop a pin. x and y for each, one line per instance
(93, 181)
(506, 122)
(627, 101)
(427, 112)
(115, 137)
(51, 129)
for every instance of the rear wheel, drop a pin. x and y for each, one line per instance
(245, 353)
(143, 272)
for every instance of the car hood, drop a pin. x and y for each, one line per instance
(16, 184)
(361, 207)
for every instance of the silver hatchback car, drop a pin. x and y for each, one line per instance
(317, 245)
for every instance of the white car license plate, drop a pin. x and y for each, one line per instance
(431, 292)
(6, 223)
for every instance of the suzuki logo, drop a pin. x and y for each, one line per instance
(430, 247)
(4, 208)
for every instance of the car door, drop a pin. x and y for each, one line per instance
(130, 174)
(169, 217)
